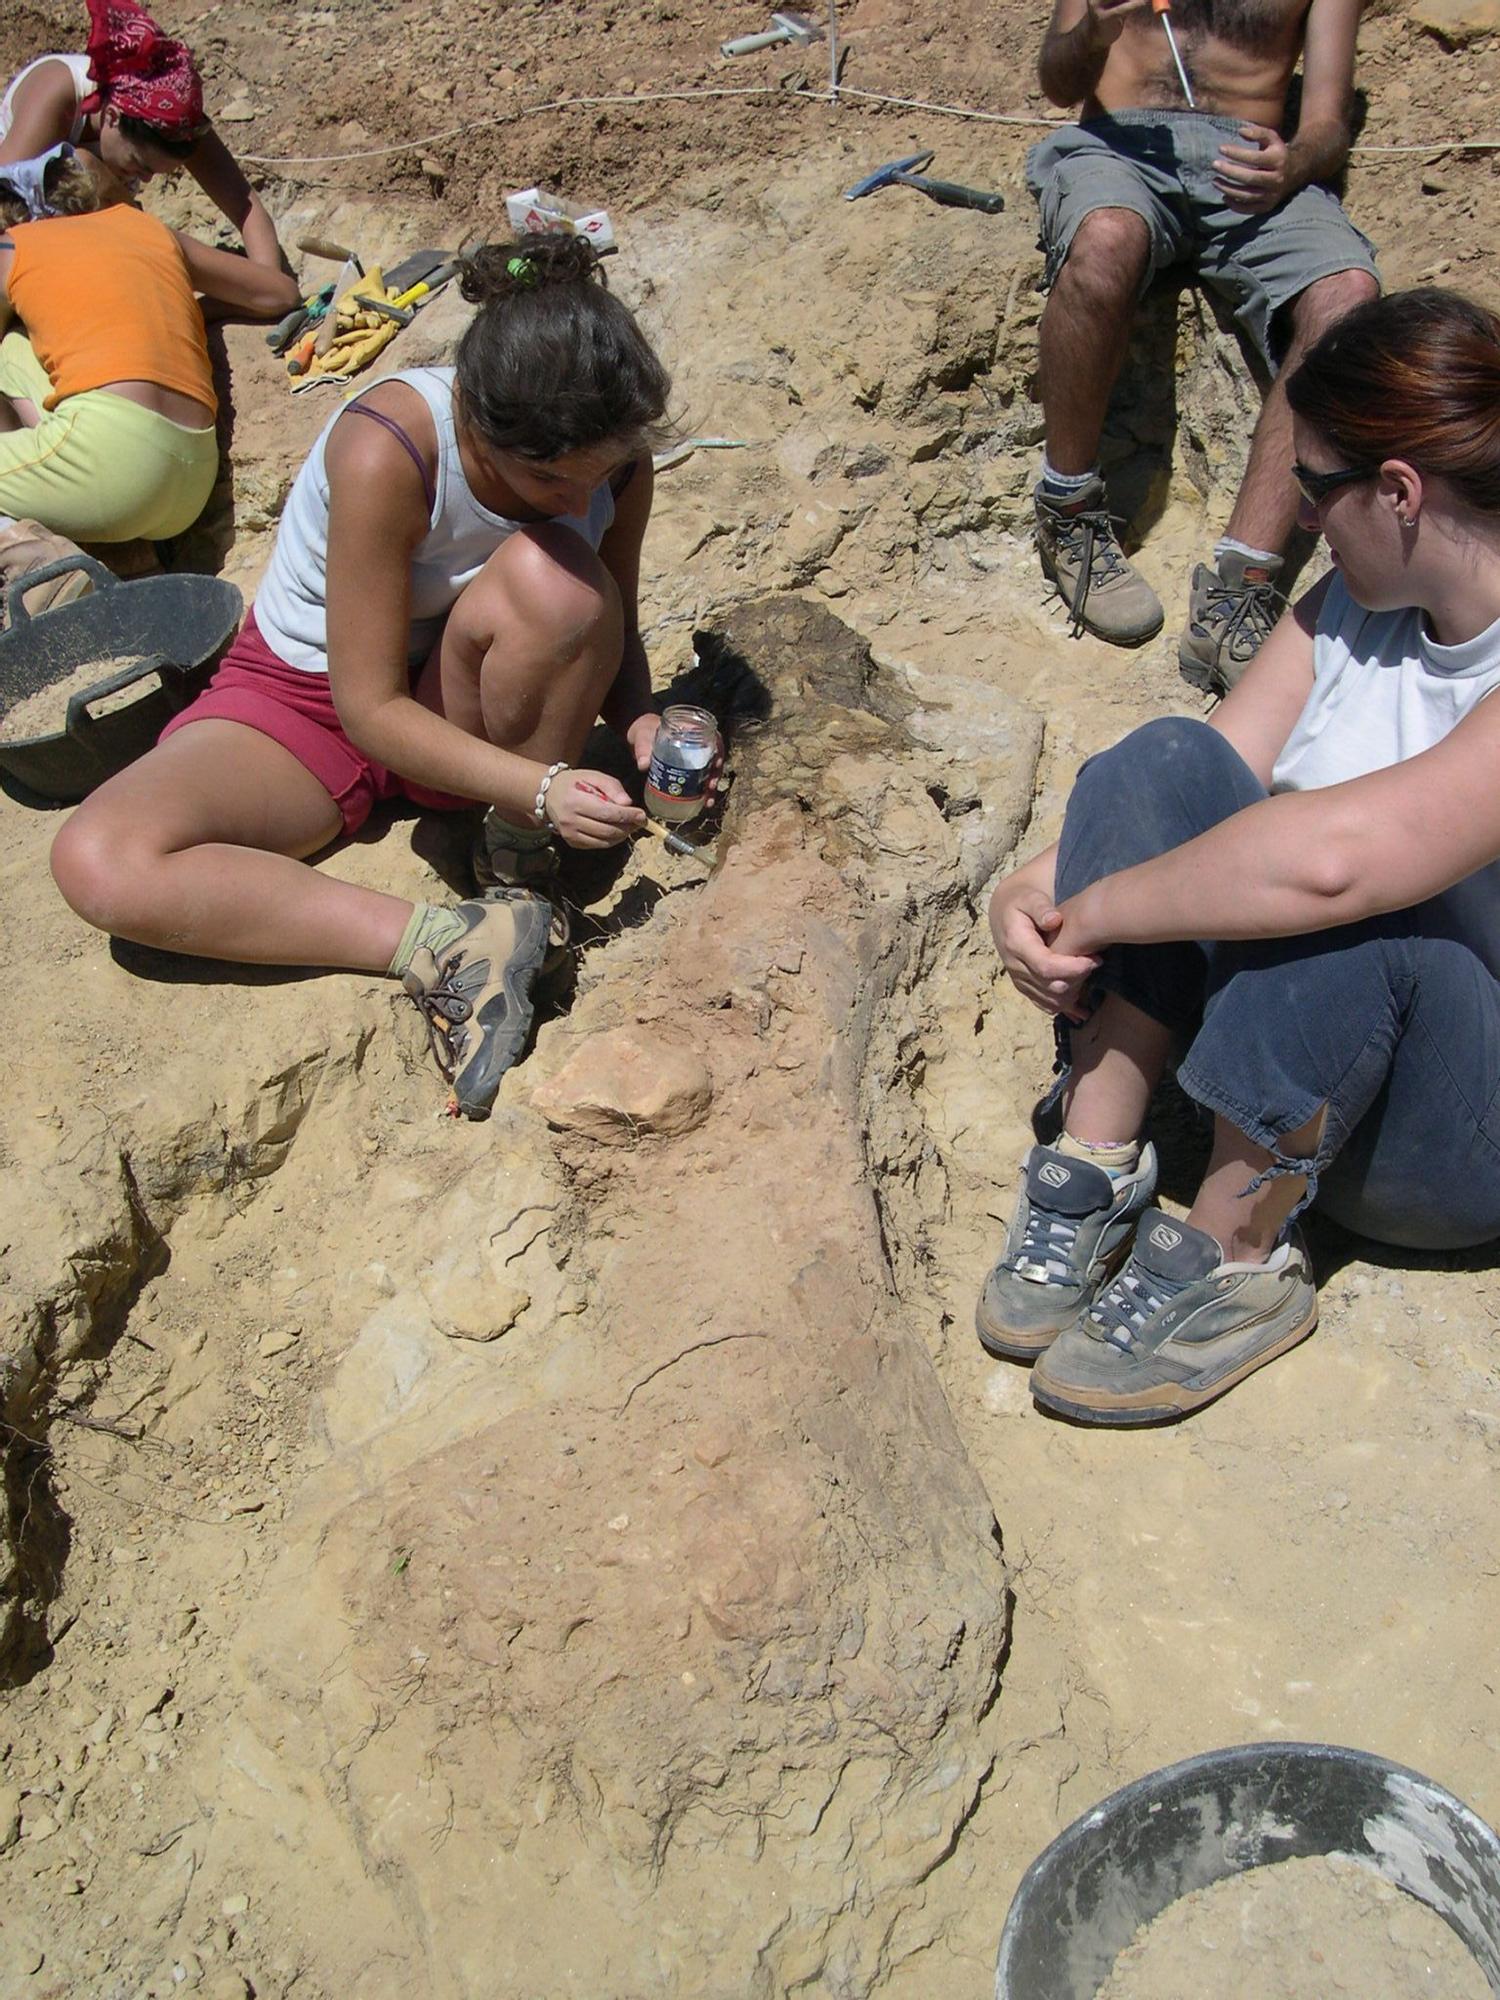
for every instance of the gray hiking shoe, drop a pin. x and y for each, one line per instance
(476, 999)
(1071, 1229)
(498, 862)
(1176, 1328)
(1232, 611)
(1081, 553)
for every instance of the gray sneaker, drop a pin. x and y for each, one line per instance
(1176, 1328)
(476, 999)
(1071, 1229)
(1081, 553)
(1232, 611)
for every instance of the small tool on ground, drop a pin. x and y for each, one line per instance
(1164, 8)
(908, 173)
(336, 253)
(787, 27)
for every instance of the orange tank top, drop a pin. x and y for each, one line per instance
(107, 298)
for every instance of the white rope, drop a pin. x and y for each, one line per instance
(833, 97)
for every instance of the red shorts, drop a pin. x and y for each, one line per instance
(295, 709)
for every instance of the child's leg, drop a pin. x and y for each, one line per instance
(531, 648)
(195, 849)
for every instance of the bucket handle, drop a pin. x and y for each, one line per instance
(80, 721)
(15, 608)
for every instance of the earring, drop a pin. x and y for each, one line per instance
(1406, 520)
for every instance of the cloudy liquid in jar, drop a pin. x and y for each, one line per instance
(681, 757)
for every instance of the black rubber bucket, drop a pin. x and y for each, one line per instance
(1082, 1900)
(172, 628)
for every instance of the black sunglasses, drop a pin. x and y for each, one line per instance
(1315, 487)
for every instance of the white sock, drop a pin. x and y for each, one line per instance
(1065, 482)
(1228, 546)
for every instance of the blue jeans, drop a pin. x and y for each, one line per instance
(1394, 1028)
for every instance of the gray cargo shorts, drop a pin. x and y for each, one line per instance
(1159, 164)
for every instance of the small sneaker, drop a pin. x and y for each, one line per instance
(476, 999)
(1176, 1328)
(1072, 1228)
(1081, 553)
(26, 546)
(1232, 611)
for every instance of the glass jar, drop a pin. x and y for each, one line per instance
(687, 740)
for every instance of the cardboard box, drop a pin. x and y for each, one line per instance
(539, 210)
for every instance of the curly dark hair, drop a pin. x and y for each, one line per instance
(552, 362)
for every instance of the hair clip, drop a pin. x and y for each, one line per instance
(521, 269)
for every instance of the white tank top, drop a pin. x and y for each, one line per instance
(83, 86)
(291, 606)
(1385, 690)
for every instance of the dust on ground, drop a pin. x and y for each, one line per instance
(283, 1350)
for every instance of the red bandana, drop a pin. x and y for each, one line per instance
(140, 71)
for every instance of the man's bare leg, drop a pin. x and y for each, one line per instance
(1265, 509)
(1085, 330)
(1082, 343)
(1234, 603)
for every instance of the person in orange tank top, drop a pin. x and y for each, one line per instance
(107, 405)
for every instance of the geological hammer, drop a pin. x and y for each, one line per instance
(788, 27)
(908, 173)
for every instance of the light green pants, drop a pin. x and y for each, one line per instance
(99, 468)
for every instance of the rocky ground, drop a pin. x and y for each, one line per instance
(588, 1553)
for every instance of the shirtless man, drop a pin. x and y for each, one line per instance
(1140, 183)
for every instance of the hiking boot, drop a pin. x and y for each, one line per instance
(498, 862)
(476, 998)
(1081, 553)
(25, 546)
(1231, 613)
(1176, 1328)
(1072, 1228)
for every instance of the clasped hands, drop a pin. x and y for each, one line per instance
(1046, 951)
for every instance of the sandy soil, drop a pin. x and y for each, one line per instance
(221, 1180)
(1304, 1930)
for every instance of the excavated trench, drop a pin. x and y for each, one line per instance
(567, 1501)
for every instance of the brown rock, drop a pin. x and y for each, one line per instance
(1457, 22)
(624, 1083)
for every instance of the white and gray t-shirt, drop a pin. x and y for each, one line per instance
(1385, 690)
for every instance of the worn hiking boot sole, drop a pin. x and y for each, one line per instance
(1199, 673)
(1162, 1402)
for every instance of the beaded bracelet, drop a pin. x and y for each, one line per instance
(539, 809)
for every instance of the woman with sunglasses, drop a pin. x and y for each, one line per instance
(1297, 902)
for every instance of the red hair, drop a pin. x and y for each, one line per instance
(1413, 376)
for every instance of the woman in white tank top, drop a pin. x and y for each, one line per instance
(1297, 903)
(450, 608)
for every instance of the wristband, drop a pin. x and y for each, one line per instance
(539, 806)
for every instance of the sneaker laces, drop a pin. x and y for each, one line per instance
(1094, 542)
(1045, 1250)
(1121, 1310)
(443, 1008)
(1245, 615)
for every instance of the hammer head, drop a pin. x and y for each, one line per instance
(797, 28)
(884, 176)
